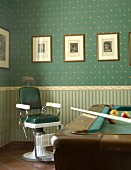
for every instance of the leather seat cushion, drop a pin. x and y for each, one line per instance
(41, 118)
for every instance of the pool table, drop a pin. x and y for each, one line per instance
(97, 145)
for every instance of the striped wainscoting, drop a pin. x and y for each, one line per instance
(81, 97)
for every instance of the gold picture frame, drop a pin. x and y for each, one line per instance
(42, 48)
(74, 48)
(107, 46)
(129, 35)
(4, 48)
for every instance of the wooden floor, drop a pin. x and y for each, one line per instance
(10, 159)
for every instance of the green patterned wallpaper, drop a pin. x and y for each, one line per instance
(60, 17)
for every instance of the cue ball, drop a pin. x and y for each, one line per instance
(113, 113)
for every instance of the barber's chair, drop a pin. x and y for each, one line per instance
(30, 103)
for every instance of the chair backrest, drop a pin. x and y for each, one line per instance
(30, 96)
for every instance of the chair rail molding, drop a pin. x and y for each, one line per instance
(71, 88)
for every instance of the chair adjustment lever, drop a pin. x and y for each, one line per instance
(24, 131)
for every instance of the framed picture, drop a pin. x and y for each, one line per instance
(130, 47)
(108, 47)
(74, 47)
(4, 48)
(42, 48)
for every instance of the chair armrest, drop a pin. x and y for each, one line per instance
(23, 106)
(53, 105)
(56, 105)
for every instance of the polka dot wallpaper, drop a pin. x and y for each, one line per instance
(58, 18)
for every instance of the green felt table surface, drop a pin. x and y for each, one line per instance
(117, 128)
(102, 125)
